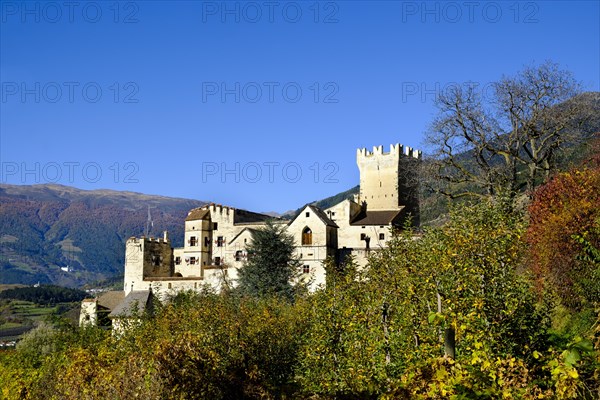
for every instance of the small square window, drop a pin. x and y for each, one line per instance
(215, 226)
(193, 260)
(217, 260)
(307, 214)
(306, 269)
(177, 260)
(363, 236)
(219, 241)
(381, 236)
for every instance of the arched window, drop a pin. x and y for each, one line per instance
(306, 236)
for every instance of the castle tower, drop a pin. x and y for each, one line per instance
(388, 181)
(198, 241)
(146, 258)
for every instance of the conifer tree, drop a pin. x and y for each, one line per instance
(272, 267)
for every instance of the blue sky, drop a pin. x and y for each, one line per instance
(259, 105)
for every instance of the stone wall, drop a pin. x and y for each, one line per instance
(158, 258)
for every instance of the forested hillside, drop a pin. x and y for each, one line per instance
(46, 227)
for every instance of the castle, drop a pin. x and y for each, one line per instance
(216, 237)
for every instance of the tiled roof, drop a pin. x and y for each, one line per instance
(378, 217)
(111, 299)
(135, 303)
(239, 216)
(196, 214)
(248, 217)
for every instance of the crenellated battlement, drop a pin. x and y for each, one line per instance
(395, 150)
(144, 239)
(214, 207)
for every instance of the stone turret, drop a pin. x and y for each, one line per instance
(388, 180)
(146, 258)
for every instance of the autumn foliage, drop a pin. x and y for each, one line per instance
(379, 332)
(564, 214)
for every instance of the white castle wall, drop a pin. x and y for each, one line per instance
(324, 244)
(380, 189)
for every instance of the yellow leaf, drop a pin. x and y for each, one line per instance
(573, 373)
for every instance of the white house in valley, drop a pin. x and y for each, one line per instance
(216, 236)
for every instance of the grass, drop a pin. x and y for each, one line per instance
(23, 315)
(9, 286)
(9, 325)
(23, 266)
(31, 310)
(20, 303)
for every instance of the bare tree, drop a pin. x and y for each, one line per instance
(503, 144)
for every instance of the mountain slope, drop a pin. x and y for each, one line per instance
(46, 227)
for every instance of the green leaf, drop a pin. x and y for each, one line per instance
(571, 356)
